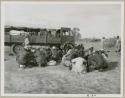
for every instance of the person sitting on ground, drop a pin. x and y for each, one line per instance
(80, 49)
(55, 54)
(71, 54)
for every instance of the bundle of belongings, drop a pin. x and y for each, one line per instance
(52, 63)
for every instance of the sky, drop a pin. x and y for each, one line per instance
(93, 20)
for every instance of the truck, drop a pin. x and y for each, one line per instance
(15, 36)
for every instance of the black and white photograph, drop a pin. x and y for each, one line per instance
(62, 48)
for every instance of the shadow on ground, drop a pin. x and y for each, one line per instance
(112, 65)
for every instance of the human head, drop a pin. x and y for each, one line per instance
(103, 37)
(117, 37)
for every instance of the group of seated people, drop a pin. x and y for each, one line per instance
(76, 58)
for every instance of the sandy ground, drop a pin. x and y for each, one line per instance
(59, 80)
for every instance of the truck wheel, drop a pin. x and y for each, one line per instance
(17, 48)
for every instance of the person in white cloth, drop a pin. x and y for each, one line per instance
(65, 59)
(26, 43)
(79, 65)
(118, 44)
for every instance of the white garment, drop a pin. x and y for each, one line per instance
(105, 57)
(78, 65)
(102, 44)
(52, 63)
(118, 45)
(26, 41)
(65, 62)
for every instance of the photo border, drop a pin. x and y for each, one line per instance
(63, 95)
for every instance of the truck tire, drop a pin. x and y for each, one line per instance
(16, 48)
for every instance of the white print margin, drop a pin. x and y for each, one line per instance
(55, 2)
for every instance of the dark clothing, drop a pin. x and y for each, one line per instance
(55, 54)
(26, 58)
(97, 61)
(40, 57)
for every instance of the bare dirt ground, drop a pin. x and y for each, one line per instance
(59, 80)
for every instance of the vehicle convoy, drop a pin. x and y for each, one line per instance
(14, 37)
